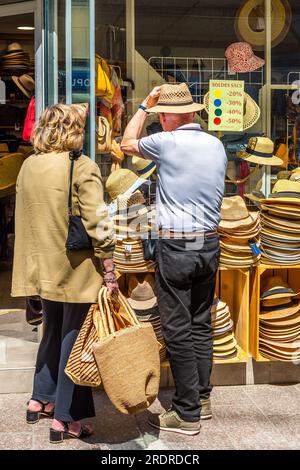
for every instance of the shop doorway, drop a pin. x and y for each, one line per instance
(18, 340)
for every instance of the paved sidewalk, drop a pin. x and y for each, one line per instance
(245, 417)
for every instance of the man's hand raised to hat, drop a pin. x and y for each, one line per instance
(152, 98)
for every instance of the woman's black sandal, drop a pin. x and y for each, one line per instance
(33, 417)
(57, 437)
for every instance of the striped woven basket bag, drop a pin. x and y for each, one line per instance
(81, 367)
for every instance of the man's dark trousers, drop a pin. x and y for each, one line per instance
(185, 283)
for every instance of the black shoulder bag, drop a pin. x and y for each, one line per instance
(77, 239)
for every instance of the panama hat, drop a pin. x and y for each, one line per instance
(25, 83)
(234, 213)
(175, 99)
(286, 191)
(217, 305)
(251, 110)
(141, 292)
(144, 168)
(280, 311)
(241, 58)
(276, 288)
(250, 22)
(122, 181)
(148, 315)
(260, 150)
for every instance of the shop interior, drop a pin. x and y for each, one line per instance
(18, 340)
(139, 45)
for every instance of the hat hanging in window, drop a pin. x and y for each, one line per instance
(250, 22)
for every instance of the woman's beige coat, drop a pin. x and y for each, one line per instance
(42, 265)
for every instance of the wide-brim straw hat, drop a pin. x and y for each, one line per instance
(175, 99)
(144, 168)
(280, 311)
(234, 214)
(276, 288)
(25, 83)
(122, 181)
(217, 305)
(251, 110)
(260, 150)
(248, 31)
(141, 292)
(225, 329)
(285, 191)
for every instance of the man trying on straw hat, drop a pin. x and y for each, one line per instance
(191, 167)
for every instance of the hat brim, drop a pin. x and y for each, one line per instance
(273, 161)
(251, 64)
(281, 312)
(19, 85)
(176, 109)
(251, 115)
(143, 304)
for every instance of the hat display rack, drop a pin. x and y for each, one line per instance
(197, 72)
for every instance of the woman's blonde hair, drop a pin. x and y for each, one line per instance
(60, 128)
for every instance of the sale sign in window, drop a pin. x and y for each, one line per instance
(226, 105)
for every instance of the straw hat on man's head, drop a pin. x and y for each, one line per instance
(175, 99)
(260, 150)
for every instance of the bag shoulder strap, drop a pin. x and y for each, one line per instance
(74, 155)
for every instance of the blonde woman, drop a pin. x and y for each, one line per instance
(67, 281)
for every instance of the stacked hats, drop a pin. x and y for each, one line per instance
(129, 256)
(225, 345)
(279, 321)
(130, 216)
(280, 228)
(142, 298)
(14, 59)
(239, 234)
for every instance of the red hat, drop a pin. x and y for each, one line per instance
(241, 58)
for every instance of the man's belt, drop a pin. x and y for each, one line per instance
(170, 234)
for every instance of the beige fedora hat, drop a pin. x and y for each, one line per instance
(14, 47)
(141, 292)
(276, 288)
(285, 322)
(280, 311)
(25, 83)
(175, 99)
(144, 168)
(285, 191)
(251, 110)
(234, 213)
(260, 150)
(122, 181)
(250, 23)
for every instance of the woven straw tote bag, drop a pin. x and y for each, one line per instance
(127, 355)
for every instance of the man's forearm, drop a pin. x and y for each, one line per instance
(133, 129)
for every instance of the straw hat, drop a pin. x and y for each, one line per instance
(250, 22)
(251, 110)
(14, 47)
(277, 288)
(144, 168)
(175, 99)
(234, 213)
(150, 314)
(286, 190)
(260, 150)
(122, 181)
(25, 83)
(218, 305)
(241, 58)
(141, 292)
(280, 311)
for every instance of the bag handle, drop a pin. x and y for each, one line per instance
(74, 155)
